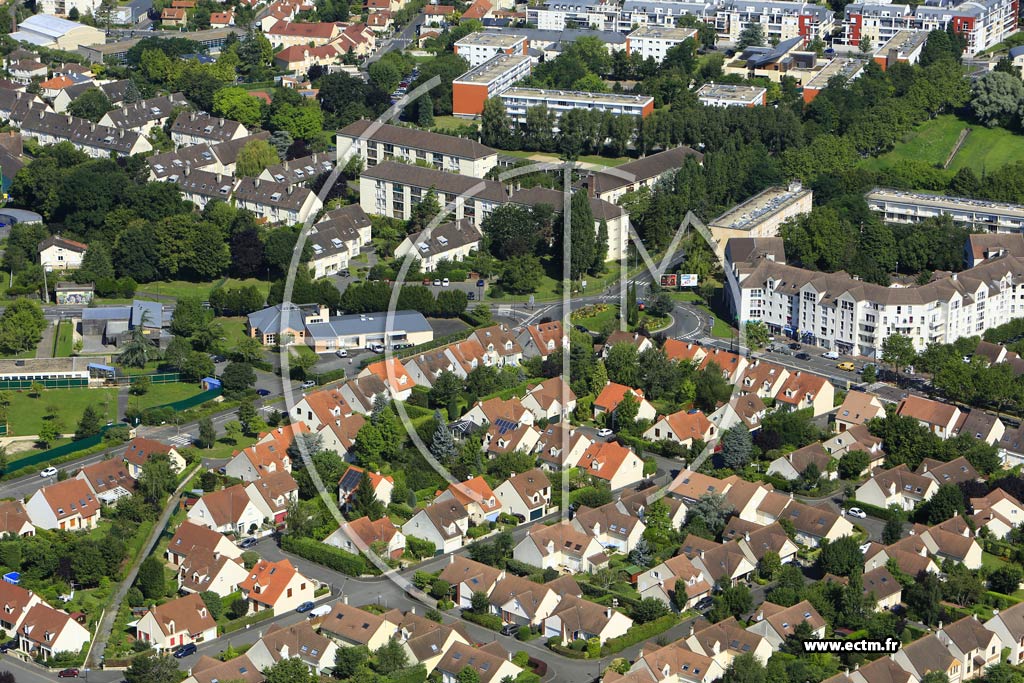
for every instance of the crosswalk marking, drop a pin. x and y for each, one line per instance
(181, 440)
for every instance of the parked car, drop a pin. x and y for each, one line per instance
(377, 348)
(604, 432)
(480, 282)
(846, 365)
(510, 629)
(803, 356)
(426, 281)
(68, 673)
(795, 346)
(263, 392)
(321, 611)
(445, 282)
(704, 604)
(437, 283)
(48, 472)
(857, 512)
(308, 384)
(218, 359)
(186, 650)
(341, 353)
(831, 355)
(304, 607)
(248, 542)
(471, 296)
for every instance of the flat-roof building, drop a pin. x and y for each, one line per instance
(46, 30)
(212, 39)
(726, 95)
(847, 67)
(361, 331)
(904, 47)
(656, 41)
(490, 79)
(479, 47)
(897, 206)
(518, 100)
(761, 215)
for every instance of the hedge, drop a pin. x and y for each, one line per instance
(237, 624)
(329, 556)
(874, 510)
(640, 632)
(491, 621)
(410, 674)
(557, 647)
(520, 568)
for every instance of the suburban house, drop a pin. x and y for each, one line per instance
(776, 623)
(561, 447)
(14, 519)
(560, 546)
(975, 646)
(208, 570)
(517, 600)
(940, 418)
(468, 576)
(883, 586)
(444, 524)
(296, 641)
(361, 534)
(527, 494)
(683, 427)
(491, 662)
(190, 538)
(746, 409)
(177, 622)
(453, 241)
(1009, 626)
(676, 663)
(67, 505)
(927, 655)
(762, 379)
(273, 494)
(793, 465)
(550, 400)
(394, 377)
(351, 626)
(59, 253)
(46, 631)
(210, 670)
(726, 640)
(982, 426)
(381, 485)
(721, 564)
(476, 496)
(954, 540)
(613, 527)
(998, 508)
(806, 390)
(498, 409)
(858, 408)
(857, 438)
(500, 345)
(140, 450)
(664, 581)
(229, 510)
(269, 455)
(897, 486)
(542, 339)
(955, 471)
(108, 480)
(425, 641)
(611, 396)
(277, 586)
(731, 364)
(15, 603)
(612, 462)
(638, 341)
(578, 619)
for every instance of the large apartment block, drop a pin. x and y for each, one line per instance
(983, 23)
(376, 142)
(558, 15)
(656, 41)
(392, 189)
(780, 19)
(490, 79)
(849, 68)
(838, 311)
(897, 206)
(761, 215)
(727, 95)
(518, 100)
(479, 47)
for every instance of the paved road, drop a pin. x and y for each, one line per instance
(399, 41)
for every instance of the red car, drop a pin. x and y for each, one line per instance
(68, 673)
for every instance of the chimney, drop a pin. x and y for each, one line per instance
(256, 182)
(608, 613)
(746, 536)
(284, 651)
(344, 599)
(451, 558)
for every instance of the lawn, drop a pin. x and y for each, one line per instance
(180, 288)
(720, 329)
(160, 394)
(26, 414)
(991, 562)
(597, 320)
(64, 341)
(931, 142)
(586, 158)
(234, 330)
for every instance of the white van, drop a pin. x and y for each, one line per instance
(321, 611)
(831, 355)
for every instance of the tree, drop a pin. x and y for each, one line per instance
(924, 596)
(853, 464)
(89, 424)
(425, 111)
(649, 609)
(21, 326)
(49, 432)
(744, 668)
(870, 375)
(446, 389)
(898, 352)
(641, 553)
(996, 98)
(91, 105)
(289, 670)
(712, 509)
(947, 502)
(150, 579)
(364, 501)
(442, 446)
(737, 447)
(149, 668)
(207, 434)
(254, 157)
(1006, 579)
(511, 231)
(213, 604)
(521, 274)
(249, 418)
(157, 479)
(840, 557)
(751, 36)
(138, 350)
(479, 603)
(711, 388)
(583, 241)
(348, 660)
(769, 565)
(391, 657)
(495, 125)
(893, 531)
(189, 317)
(237, 377)
(237, 104)
(239, 608)
(468, 675)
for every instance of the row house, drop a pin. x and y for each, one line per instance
(727, 640)
(276, 202)
(337, 238)
(145, 115)
(96, 140)
(665, 581)
(542, 339)
(192, 128)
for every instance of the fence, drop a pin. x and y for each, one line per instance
(155, 378)
(55, 383)
(192, 401)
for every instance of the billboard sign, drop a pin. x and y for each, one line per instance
(688, 280)
(671, 280)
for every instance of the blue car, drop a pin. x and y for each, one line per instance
(186, 650)
(263, 392)
(304, 607)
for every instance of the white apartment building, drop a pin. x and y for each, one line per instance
(983, 22)
(472, 89)
(655, 41)
(374, 143)
(726, 95)
(838, 311)
(558, 15)
(518, 100)
(665, 13)
(897, 206)
(477, 48)
(393, 189)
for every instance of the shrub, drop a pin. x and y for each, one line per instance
(640, 632)
(329, 556)
(477, 531)
(491, 621)
(418, 548)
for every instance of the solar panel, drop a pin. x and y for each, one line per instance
(505, 425)
(350, 480)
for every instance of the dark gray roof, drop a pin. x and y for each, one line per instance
(328, 237)
(444, 237)
(1016, 51)
(275, 319)
(142, 112)
(536, 196)
(204, 183)
(227, 151)
(426, 178)
(372, 323)
(418, 139)
(175, 163)
(107, 313)
(152, 311)
(303, 170)
(774, 54)
(643, 169)
(80, 132)
(205, 127)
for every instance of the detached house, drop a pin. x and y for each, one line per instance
(542, 339)
(499, 344)
(45, 632)
(58, 253)
(763, 379)
(269, 456)
(491, 663)
(550, 400)
(527, 494)
(940, 418)
(229, 510)
(927, 655)
(560, 546)
(676, 663)
(561, 447)
(858, 408)
(192, 538)
(975, 647)
(356, 536)
(683, 427)
(955, 471)
(476, 496)
(14, 519)
(277, 586)
(776, 623)
(350, 626)
(746, 409)
(726, 640)
(67, 505)
(425, 641)
(793, 465)
(998, 510)
(805, 390)
(444, 524)
(181, 621)
(721, 564)
(614, 528)
(730, 364)
(381, 485)
(468, 576)
(897, 486)
(272, 494)
(578, 619)
(611, 396)
(613, 463)
(140, 450)
(666, 580)
(209, 570)
(15, 603)
(517, 600)
(1008, 625)
(298, 641)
